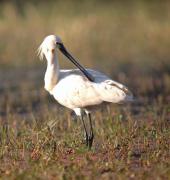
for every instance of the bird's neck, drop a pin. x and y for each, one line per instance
(52, 73)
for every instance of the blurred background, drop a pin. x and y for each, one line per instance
(129, 41)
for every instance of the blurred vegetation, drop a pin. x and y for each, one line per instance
(127, 40)
(124, 39)
(134, 32)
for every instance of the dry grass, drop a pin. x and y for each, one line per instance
(39, 139)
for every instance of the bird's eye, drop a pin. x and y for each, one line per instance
(58, 44)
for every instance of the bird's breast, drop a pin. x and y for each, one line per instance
(75, 91)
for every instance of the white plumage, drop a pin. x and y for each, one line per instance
(73, 90)
(78, 89)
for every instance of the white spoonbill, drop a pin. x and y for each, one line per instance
(78, 89)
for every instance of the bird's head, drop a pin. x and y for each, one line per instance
(48, 46)
(48, 49)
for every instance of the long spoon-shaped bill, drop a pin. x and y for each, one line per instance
(70, 57)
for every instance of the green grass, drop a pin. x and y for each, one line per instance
(39, 139)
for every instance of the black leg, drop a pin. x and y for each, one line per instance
(91, 136)
(85, 130)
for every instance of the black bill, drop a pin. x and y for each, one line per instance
(70, 57)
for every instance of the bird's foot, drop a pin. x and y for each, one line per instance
(89, 140)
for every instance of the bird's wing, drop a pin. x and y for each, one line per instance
(110, 90)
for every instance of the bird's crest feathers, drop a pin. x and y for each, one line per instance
(40, 53)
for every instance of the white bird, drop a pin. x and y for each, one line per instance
(78, 89)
